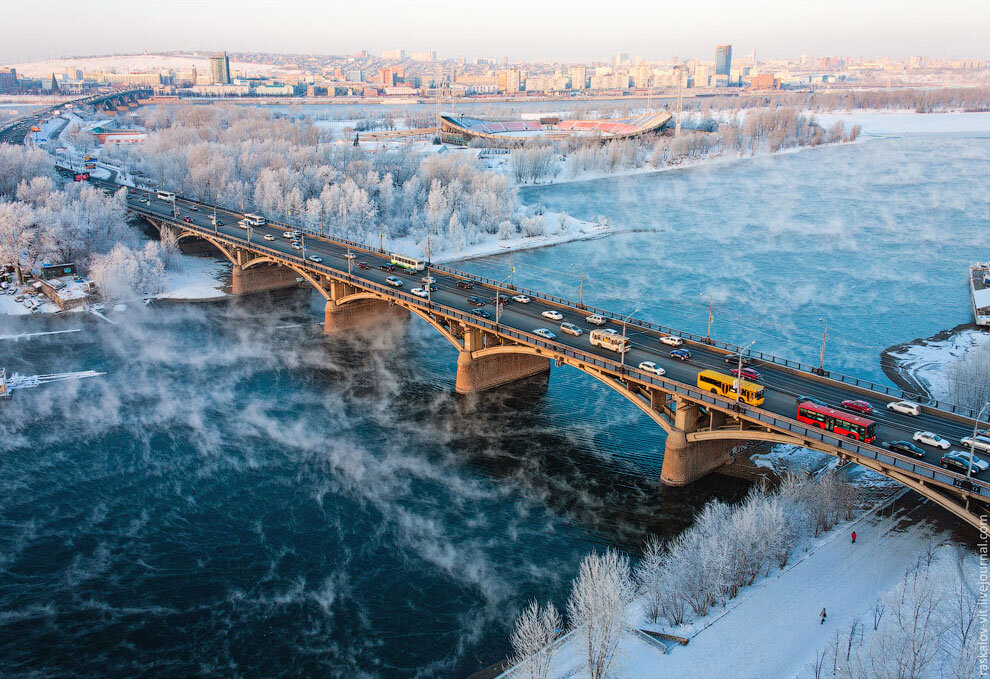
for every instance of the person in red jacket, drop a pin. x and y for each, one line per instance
(854, 537)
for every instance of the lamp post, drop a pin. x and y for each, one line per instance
(821, 355)
(972, 441)
(624, 348)
(498, 305)
(580, 285)
(739, 376)
(349, 260)
(215, 213)
(711, 308)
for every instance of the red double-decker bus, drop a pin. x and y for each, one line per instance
(837, 421)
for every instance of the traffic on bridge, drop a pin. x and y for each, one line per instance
(657, 369)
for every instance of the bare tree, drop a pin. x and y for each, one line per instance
(648, 576)
(532, 640)
(597, 607)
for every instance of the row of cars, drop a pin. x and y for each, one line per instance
(957, 460)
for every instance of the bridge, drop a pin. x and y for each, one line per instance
(702, 428)
(14, 131)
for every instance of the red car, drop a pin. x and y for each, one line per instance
(187, 219)
(858, 406)
(364, 265)
(747, 374)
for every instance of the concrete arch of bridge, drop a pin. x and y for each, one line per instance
(212, 241)
(602, 377)
(744, 434)
(302, 272)
(412, 308)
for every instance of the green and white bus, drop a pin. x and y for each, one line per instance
(410, 263)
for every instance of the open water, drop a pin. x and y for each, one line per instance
(241, 496)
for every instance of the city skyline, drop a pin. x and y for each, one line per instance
(521, 32)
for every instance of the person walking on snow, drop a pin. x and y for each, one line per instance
(823, 617)
(854, 537)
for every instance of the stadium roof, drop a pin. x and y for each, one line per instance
(632, 126)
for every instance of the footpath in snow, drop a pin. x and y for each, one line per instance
(773, 628)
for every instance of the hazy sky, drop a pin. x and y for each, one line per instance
(577, 30)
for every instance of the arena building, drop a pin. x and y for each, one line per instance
(462, 129)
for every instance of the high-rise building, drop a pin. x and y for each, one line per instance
(579, 78)
(723, 60)
(430, 55)
(8, 79)
(220, 69)
(509, 81)
(398, 55)
(622, 59)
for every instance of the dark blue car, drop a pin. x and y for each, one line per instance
(680, 354)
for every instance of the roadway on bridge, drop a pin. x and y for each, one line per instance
(782, 386)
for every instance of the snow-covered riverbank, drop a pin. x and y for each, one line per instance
(923, 365)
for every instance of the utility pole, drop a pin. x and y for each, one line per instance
(821, 355)
(708, 335)
(972, 444)
(680, 100)
(349, 260)
(739, 375)
(512, 270)
(625, 348)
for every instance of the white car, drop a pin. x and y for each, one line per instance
(651, 367)
(296, 245)
(552, 315)
(595, 319)
(268, 236)
(905, 407)
(931, 439)
(571, 329)
(315, 258)
(394, 282)
(288, 234)
(350, 255)
(522, 299)
(672, 341)
(544, 333)
(419, 292)
(427, 280)
(194, 208)
(981, 443)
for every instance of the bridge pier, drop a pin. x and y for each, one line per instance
(359, 314)
(684, 462)
(475, 375)
(261, 278)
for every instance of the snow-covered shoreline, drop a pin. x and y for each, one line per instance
(920, 365)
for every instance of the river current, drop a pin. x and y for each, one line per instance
(241, 496)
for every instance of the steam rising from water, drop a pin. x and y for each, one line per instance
(235, 498)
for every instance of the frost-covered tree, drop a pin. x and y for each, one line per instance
(648, 577)
(532, 640)
(597, 605)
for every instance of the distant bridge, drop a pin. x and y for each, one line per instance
(702, 428)
(14, 131)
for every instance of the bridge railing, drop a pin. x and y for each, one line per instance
(917, 468)
(890, 391)
(862, 383)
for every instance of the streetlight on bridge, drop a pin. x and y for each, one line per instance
(821, 355)
(580, 285)
(972, 441)
(739, 375)
(624, 321)
(711, 308)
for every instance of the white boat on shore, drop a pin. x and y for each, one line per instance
(979, 292)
